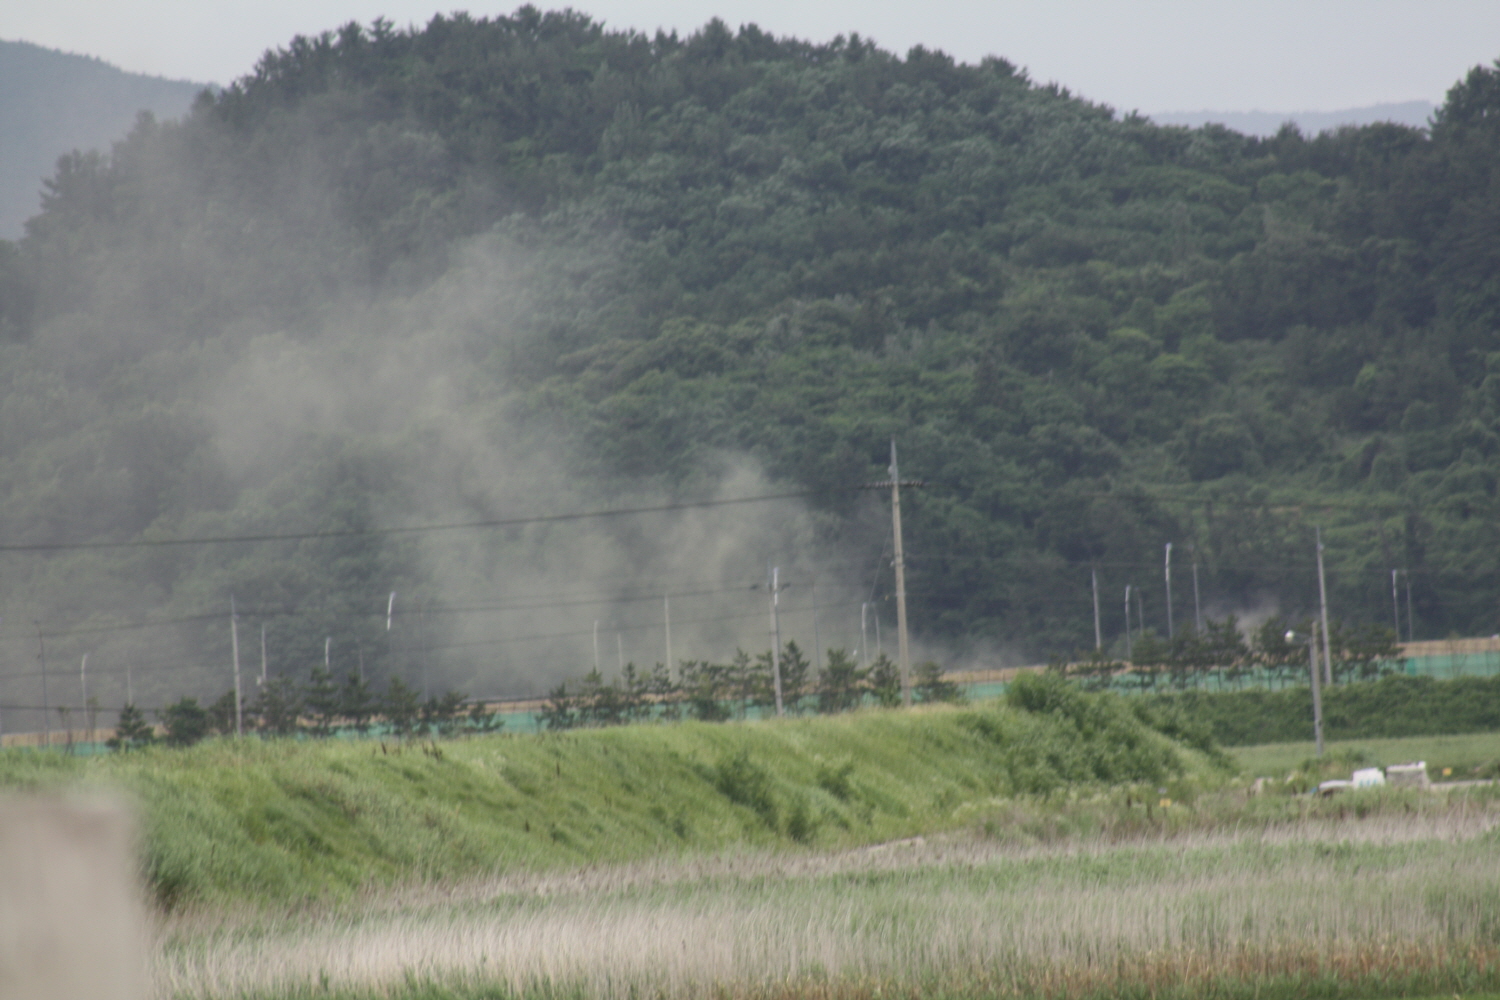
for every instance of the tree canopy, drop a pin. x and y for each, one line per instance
(1089, 334)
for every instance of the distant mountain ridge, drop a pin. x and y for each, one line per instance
(53, 102)
(1267, 123)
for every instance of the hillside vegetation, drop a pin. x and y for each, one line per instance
(650, 256)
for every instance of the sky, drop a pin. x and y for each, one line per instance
(1144, 55)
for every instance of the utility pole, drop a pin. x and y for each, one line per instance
(129, 686)
(864, 635)
(1395, 604)
(1312, 659)
(1197, 605)
(817, 639)
(895, 483)
(1170, 633)
(263, 657)
(776, 636)
(1411, 626)
(83, 686)
(900, 581)
(46, 709)
(1098, 636)
(1127, 624)
(666, 602)
(234, 642)
(596, 645)
(1323, 601)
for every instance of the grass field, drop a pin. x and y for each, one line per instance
(1061, 851)
(1463, 754)
(1395, 904)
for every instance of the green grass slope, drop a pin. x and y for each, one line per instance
(286, 822)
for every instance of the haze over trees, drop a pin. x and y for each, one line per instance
(616, 266)
(51, 102)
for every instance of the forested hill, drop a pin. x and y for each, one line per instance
(1090, 335)
(51, 102)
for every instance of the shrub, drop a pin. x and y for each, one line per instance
(745, 783)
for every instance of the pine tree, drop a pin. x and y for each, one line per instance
(401, 707)
(278, 707)
(132, 730)
(885, 682)
(323, 699)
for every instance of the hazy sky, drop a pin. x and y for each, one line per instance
(1147, 55)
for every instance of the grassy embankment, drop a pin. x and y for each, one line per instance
(741, 861)
(279, 824)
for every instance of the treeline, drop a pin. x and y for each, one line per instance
(1221, 656)
(325, 706)
(322, 707)
(716, 692)
(1390, 707)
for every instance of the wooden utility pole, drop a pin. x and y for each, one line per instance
(234, 643)
(41, 648)
(776, 636)
(1098, 635)
(1197, 605)
(1323, 601)
(1317, 693)
(904, 650)
(864, 634)
(1170, 633)
(1411, 627)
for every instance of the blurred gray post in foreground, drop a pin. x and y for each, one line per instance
(71, 920)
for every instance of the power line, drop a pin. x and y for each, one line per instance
(505, 522)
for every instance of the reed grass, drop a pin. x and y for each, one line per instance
(1330, 908)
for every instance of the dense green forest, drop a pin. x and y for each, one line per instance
(498, 267)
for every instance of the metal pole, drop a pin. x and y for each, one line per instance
(1323, 601)
(1396, 604)
(46, 708)
(1312, 659)
(1411, 625)
(667, 612)
(263, 658)
(1098, 636)
(1170, 633)
(1197, 605)
(83, 684)
(864, 635)
(234, 641)
(817, 639)
(900, 581)
(776, 637)
(596, 645)
(1127, 623)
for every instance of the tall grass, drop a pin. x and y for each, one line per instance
(1408, 903)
